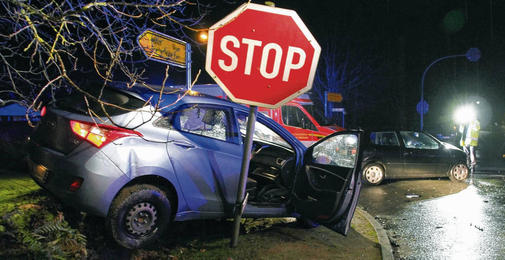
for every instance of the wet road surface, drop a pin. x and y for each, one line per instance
(439, 219)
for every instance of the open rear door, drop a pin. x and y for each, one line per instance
(326, 189)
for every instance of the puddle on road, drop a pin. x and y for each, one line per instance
(410, 196)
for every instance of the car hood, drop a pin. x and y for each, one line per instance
(449, 146)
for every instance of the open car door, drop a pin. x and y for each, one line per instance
(327, 187)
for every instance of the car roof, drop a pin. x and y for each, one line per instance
(174, 97)
(171, 94)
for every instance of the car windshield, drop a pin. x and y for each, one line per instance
(317, 114)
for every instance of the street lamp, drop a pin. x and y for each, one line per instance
(203, 36)
(473, 55)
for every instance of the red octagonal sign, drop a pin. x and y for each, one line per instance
(261, 55)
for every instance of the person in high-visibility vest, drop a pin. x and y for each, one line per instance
(470, 139)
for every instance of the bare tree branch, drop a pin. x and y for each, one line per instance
(54, 45)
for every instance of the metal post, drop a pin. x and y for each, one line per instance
(188, 65)
(422, 83)
(241, 199)
(343, 119)
(326, 104)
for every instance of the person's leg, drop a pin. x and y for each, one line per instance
(473, 161)
(465, 149)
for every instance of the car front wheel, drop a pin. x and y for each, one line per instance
(139, 215)
(373, 174)
(459, 172)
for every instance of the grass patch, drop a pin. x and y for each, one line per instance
(15, 190)
(362, 226)
(31, 225)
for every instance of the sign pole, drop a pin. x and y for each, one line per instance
(188, 65)
(326, 104)
(241, 199)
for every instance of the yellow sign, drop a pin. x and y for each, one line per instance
(334, 97)
(163, 48)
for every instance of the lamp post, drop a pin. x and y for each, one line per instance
(473, 55)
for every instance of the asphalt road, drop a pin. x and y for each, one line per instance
(439, 219)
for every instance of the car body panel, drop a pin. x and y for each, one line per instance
(98, 189)
(203, 184)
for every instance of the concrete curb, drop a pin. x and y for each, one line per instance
(386, 250)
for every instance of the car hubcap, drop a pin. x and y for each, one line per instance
(460, 172)
(373, 174)
(141, 219)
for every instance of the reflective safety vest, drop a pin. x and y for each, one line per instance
(472, 134)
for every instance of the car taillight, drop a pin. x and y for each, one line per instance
(75, 185)
(98, 134)
(43, 111)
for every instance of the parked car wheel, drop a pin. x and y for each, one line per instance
(373, 174)
(139, 215)
(459, 172)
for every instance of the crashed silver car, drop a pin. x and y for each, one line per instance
(142, 168)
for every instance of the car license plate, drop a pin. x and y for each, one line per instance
(39, 173)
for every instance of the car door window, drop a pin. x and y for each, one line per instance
(262, 132)
(418, 140)
(201, 120)
(339, 150)
(293, 116)
(384, 138)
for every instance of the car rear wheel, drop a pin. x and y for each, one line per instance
(139, 215)
(373, 174)
(459, 172)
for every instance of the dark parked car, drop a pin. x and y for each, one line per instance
(411, 154)
(148, 168)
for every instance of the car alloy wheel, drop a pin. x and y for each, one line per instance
(459, 172)
(374, 174)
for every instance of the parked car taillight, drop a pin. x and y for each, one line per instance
(98, 134)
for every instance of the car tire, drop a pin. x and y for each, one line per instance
(459, 172)
(373, 174)
(139, 215)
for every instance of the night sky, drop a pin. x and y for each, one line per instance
(404, 37)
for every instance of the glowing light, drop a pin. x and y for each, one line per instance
(203, 36)
(192, 92)
(464, 114)
(270, 3)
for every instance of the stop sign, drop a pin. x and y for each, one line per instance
(261, 55)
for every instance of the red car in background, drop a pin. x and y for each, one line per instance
(293, 116)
